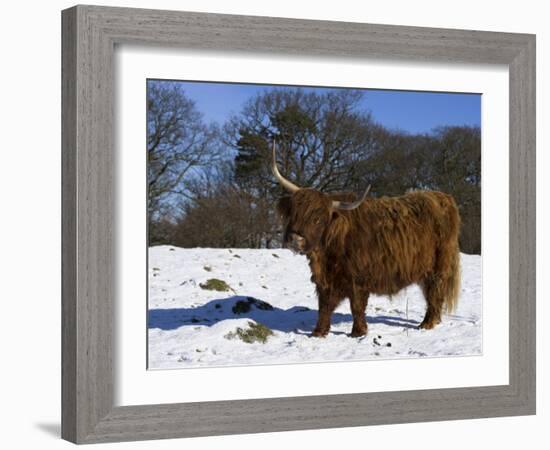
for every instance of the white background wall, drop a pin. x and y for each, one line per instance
(30, 227)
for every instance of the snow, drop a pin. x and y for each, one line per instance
(189, 325)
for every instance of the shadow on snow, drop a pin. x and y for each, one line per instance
(295, 319)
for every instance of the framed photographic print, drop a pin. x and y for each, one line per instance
(249, 199)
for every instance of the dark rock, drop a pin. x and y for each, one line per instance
(244, 306)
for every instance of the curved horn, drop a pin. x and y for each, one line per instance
(349, 206)
(290, 187)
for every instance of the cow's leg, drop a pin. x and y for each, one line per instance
(434, 300)
(358, 302)
(327, 304)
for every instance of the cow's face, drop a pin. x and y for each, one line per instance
(305, 215)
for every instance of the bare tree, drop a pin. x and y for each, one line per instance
(222, 214)
(320, 136)
(178, 143)
(458, 171)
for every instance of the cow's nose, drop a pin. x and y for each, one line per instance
(296, 237)
(297, 241)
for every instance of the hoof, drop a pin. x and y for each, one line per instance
(358, 333)
(428, 324)
(319, 333)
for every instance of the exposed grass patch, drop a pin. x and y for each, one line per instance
(256, 332)
(214, 284)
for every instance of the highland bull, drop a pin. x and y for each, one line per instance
(373, 245)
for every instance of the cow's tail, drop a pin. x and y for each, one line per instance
(450, 281)
(449, 261)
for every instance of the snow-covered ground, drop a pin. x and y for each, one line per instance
(190, 326)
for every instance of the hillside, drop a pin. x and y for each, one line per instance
(192, 325)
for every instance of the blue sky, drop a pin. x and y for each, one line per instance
(411, 111)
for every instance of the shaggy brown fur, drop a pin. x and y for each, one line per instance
(380, 247)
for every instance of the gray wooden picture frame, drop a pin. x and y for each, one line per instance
(90, 34)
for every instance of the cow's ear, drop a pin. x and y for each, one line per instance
(338, 228)
(283, 207)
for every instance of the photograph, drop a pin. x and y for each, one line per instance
(302, 224)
